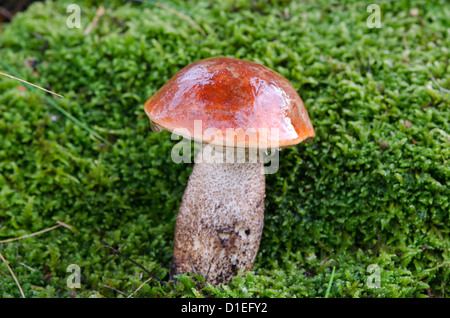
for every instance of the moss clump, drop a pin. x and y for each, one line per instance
(373, 187)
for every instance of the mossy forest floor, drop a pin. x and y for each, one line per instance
(369, 196)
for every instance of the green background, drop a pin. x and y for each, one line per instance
(372, 188)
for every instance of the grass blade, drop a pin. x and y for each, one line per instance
(56, 106)
(330, 283)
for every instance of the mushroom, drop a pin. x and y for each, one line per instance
(220, 220)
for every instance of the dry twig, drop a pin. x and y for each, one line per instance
(37, 233)
(135, 263)
(93, 24)
(182, 16)
(12, 274)
(26, 266)
(23, 81)
(140, 287)
(443, 90)
(116, 290)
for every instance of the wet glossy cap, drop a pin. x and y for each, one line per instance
(234, 101)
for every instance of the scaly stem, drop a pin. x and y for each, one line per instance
(220, 221)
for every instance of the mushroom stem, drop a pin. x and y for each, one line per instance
(220, 220)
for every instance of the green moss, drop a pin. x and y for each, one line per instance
(372, 188)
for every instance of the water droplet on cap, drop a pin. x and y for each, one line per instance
(155, 127)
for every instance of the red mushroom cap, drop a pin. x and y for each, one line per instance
(227, 93)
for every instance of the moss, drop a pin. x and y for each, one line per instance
(372, 188)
